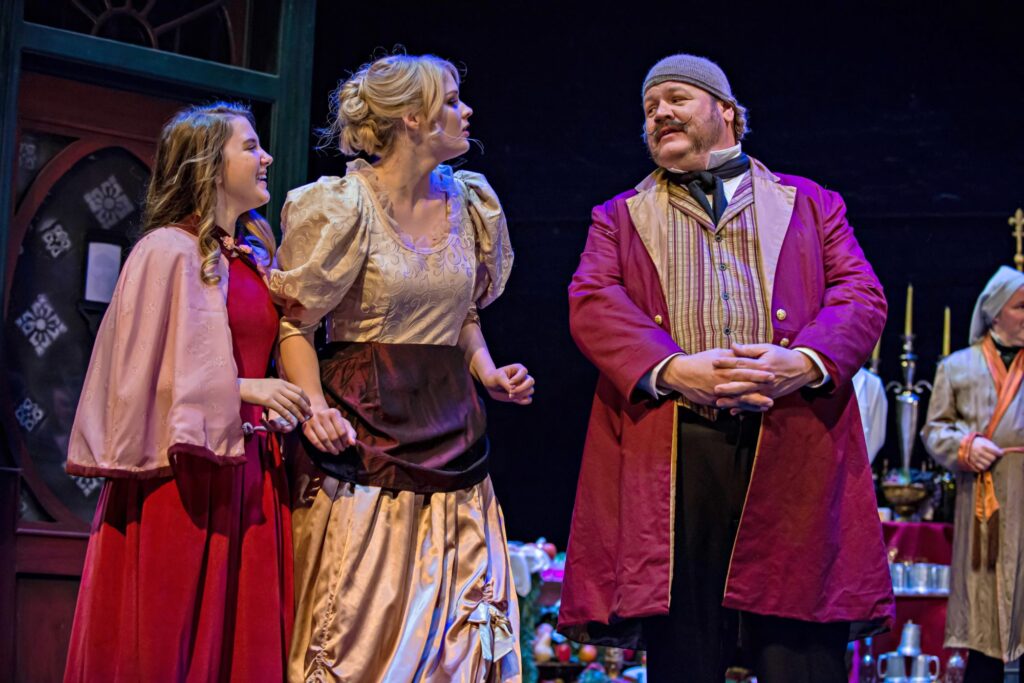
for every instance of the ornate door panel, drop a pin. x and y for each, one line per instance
(84, 154)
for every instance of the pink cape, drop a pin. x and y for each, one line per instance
(162, 379)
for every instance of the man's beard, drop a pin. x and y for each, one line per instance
(703, 134)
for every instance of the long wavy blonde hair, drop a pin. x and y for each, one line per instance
(183, 187)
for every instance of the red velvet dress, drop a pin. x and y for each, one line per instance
(189, 578)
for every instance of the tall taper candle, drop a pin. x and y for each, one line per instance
(945, 333)
(908, 326)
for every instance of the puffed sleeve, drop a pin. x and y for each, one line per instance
(323, 250)
(493, 249)
(945, 428)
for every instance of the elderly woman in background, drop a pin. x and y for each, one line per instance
(976, 428)
(402, 569)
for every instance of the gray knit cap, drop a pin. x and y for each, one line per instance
(698, 71)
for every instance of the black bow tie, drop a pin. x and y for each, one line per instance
(702, 183)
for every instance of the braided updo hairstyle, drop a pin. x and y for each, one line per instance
(367, 108)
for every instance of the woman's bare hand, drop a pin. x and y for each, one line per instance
(275, 423)
(284, 398)
(329, 431)
(510, 383)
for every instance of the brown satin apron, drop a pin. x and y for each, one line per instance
(419, 422)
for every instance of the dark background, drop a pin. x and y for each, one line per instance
(911, 110)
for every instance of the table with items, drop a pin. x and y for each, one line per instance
(919, 562)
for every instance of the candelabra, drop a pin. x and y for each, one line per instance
(904, 494)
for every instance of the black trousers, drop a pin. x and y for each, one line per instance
(699, 639)
(983, 669)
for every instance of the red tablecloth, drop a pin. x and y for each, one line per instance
(919, 541)
(915, 542)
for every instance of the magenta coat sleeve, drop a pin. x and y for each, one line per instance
(853, 310)
(612, 312)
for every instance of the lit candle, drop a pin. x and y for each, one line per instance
(945, 333)
(878, 350)
(907, 326)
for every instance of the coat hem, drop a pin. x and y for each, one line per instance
(628, 632)
(964, 644)
(862, 627)
(624, 633)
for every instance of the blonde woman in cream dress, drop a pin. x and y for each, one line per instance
(401, 564)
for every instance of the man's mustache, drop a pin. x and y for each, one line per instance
(670, 126)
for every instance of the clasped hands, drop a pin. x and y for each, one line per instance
(983, 454)
(743, 377)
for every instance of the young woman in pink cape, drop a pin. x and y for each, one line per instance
(188, 575)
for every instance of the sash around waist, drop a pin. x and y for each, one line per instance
(419, 422)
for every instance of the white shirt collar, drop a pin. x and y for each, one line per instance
(720, 156)
(716, 157)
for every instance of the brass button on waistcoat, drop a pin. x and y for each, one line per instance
(784, 342)
(781, 314)
(658, 319)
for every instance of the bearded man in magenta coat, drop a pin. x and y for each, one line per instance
(725, 494)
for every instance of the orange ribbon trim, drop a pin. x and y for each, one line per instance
(1007, 384)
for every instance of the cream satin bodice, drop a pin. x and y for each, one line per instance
(345, 259)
